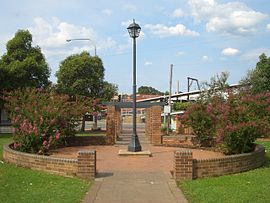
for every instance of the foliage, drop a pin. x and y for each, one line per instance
(148, 90)
(197, 117)
(42, 119)
(23, 65)
(82, 74)
(234, 123)
(250, 186)
(259, 78)
(28, 186)
(216, 88)
(181, 106)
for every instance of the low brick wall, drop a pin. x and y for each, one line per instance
(89, 140)
(84, 166)
(185, 167)
(177, 141)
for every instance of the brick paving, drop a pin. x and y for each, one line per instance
(134, 179)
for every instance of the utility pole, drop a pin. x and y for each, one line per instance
(170, 94)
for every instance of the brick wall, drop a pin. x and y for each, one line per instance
(113, 123)
(153, 124)
(84, 166)
(180, 129)
(183, 165)
(177, 141)
(88, 140)
(216, 167)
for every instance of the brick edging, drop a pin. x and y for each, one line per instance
(84, 166)
(185, 167)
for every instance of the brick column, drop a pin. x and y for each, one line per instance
(87, 164)
(110, 124)
(148, 122)
(183, 165)
(156, 125)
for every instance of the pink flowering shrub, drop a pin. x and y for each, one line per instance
(42, 119)
(232, 124)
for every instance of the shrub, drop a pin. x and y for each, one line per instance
(196, 117)
(42, 119)
(233, 123)
(181, 106)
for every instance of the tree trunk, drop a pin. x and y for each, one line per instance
(95, 123)
(83, 124)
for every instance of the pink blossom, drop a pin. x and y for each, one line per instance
(44, 143)
(57, 135)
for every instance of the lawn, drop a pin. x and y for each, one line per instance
(251, 186)
(25, 185)
(92, 133)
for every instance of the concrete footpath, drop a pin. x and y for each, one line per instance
(134, 187)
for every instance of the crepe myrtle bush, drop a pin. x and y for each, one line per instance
(42, 119)
(232, 124)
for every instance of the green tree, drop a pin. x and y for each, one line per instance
(82, 74)
(215, 88)
(149, 90)
(259, 78)
(23, 65)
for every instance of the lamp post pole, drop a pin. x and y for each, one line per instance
(134, 145)
(84, 39)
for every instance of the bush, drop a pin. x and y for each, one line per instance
(181, 106)
(42, 119)
(196, 117)
(232, 124)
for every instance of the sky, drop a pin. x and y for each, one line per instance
(201, 38)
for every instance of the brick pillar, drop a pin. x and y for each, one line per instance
(156, 125)
(179, 127)
(183, 165)
(110, 124)
(87, 164)
(148, 123)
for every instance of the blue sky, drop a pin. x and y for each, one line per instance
(199, 37)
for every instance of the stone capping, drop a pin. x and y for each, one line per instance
(84, 166)
(185, 167)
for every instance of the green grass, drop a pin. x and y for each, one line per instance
(251, 186)
(91, 133)
(24, 185)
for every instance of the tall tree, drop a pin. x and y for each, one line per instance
(259, 78)
(23, 64)
(149, 90)
(82, 74)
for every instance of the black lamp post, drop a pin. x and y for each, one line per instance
(134, 145)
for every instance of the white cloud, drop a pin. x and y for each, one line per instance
(148, 63)
(230, 52)
(253, 55)
(107, 12)
(54, 34)
(165, 31)
(268, 27)
(205, 58)
(229, 18)
(177, 13)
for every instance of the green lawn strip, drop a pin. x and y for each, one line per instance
(251, 186)
(25, 185)
(91, 133)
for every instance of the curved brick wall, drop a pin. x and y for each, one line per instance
(188, 168)
(84, 166)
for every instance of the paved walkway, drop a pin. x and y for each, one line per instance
(134, 187)
(135, 179)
